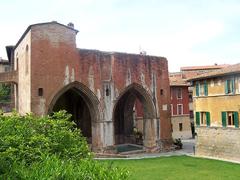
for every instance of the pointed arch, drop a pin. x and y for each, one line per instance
(123, 116)
(89, 97)
(142, 94)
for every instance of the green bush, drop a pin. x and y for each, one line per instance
(28, 137)
(54, 168)
(47, 148)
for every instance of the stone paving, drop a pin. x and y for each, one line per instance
(188, 149)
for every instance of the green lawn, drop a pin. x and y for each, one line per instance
(179, 167)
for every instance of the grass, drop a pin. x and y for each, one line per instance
(179, 167)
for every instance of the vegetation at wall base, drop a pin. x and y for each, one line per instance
(48, 148)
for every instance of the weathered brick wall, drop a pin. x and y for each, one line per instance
(56, 64)
(218, 142)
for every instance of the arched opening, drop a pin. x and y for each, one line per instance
(79, 101)
(134, 114)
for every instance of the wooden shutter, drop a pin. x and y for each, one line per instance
(197, 118)
(236, 121)
(205, 88)
(233, 85)
(197, 88)
(208, 118)
(224, 116)
(226, 86)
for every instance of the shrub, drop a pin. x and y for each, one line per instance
(52, 167)
(47, 148)
(28, 137)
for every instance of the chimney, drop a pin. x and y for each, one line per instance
(71, 25)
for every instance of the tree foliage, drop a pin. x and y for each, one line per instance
(47, 148)
(5, 90)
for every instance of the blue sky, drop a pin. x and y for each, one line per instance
(186, 32)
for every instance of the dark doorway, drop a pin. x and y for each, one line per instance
(129, 119)
(73, 102)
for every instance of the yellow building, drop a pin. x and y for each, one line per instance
(216, 106)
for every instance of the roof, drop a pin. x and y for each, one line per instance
(117, 53)
(229, 70)
(211, 67)
(178, 79)
(39, 24)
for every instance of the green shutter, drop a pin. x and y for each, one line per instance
(205, 88)
(208, 118)
(233, 85)
(224, 116)
(226, 86)
(197, 118)
(236, 121)
(197, 89)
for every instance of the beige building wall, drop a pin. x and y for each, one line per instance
(216, 140)
(22, 64)
(217, 100)
(186, 132)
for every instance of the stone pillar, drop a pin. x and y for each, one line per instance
(97, 136)
(149, 134)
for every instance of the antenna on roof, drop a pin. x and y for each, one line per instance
(141, 51)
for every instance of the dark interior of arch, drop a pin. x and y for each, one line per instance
(73, 102)
(129, 118)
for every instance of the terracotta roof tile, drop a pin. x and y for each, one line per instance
(192, 68)
(231, 69)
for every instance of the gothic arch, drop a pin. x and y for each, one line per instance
(82, 103)
(89, 97)
(123, 115)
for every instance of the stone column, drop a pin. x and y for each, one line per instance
(149, 134)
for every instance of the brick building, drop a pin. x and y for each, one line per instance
(98, 88)
(217, 107)
(181, 119)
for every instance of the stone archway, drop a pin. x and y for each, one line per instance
(123, 116)
(78, 100)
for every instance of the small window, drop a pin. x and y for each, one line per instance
(179, 93)
(203, 118)
(230, 118)
(40, 91)
(229, 86)
(107, 92)
(161, 91)
(16, 64)
(26, 59)
(180, 126)
(179, 109)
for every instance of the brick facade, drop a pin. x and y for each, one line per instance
(52, 70)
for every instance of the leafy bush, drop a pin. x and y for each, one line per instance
(54, 168)
(5, 90)
(47, 148)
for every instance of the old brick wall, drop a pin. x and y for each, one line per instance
(56, 65)
(218, 142)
